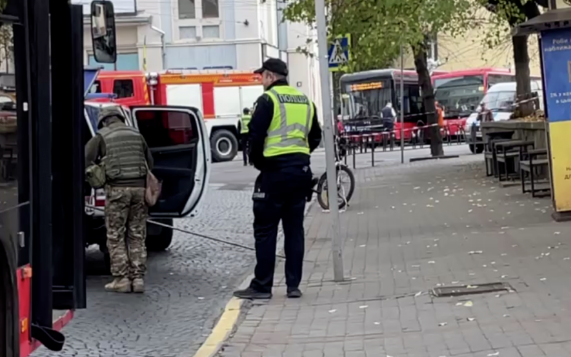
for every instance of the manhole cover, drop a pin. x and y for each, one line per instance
(471, 289)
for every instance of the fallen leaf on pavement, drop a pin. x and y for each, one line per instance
(332, 311)
(363, 306)
(470, 319)
(468, 304)
(443, 324)
(493, 354)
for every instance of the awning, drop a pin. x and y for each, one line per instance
(551, 20)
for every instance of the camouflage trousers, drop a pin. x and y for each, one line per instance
(126, 212)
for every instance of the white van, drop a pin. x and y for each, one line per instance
(500, 100)
(178, 140)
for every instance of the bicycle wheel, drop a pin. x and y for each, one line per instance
(344, 192)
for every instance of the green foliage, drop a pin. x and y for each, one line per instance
(379, 27)
(505, 15)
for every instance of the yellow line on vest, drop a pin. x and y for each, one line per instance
(222, 329)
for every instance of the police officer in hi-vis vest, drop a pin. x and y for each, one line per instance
(283, 132)
(244, 122)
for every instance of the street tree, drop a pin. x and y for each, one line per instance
(508, 14)
(379, 27)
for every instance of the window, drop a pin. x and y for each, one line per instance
(210, 9)
(123, 88)
(498, 78)
(459, 95)
(164, 128)
(187, 32)
(211, 31)
(95, 87)
(432, 48)
(186, 9)
(368, 102)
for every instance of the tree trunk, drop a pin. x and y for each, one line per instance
(425, 83)
(523, 87)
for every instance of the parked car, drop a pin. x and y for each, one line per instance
(500, 101)
(180, 145)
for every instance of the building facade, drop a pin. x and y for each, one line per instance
(153, 35)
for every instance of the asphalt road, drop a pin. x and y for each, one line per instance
(187, 285)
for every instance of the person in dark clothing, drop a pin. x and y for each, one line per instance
(388, 115)
(283, 132)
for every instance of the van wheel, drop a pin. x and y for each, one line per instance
(162, 240)
(224, 145)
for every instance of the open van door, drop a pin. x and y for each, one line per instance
(179, 142)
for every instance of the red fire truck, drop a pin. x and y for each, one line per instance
(220, 95)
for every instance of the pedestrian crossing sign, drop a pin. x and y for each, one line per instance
(338, 53)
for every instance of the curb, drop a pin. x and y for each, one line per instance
(222, 330)
(229, 318)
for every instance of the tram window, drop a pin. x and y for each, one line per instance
(123, 88)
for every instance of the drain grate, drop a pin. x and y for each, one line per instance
(443, 291)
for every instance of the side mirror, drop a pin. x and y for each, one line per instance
(103, 31)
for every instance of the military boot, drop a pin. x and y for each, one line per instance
(119, 285)
(138, 285)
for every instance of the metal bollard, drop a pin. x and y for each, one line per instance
(448, 137)
(360, 144)
(392, 141)
(365, 140)
(354, 163)
(413, 134)
(384, 138)
(372, 152)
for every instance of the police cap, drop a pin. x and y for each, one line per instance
(274, 65)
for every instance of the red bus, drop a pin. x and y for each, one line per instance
(460, 92)
(365, 94)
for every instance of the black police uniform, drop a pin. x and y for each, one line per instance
(280, 194)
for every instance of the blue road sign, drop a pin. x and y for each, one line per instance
(339, 53)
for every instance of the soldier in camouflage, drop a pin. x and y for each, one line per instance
(127, 158)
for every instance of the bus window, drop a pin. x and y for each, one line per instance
(500, 78)
(368, 99)
(459, 95)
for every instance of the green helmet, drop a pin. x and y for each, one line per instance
(107, 112)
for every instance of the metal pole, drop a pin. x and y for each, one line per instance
(336, 241)
(402, 105)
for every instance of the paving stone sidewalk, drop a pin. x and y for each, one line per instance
(409, 229)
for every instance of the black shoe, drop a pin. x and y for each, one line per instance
(294, 293)
(252, 294)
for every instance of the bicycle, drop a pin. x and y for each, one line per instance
(343, 194)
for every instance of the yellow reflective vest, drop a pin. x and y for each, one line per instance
(244, 121)
(291, 123)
